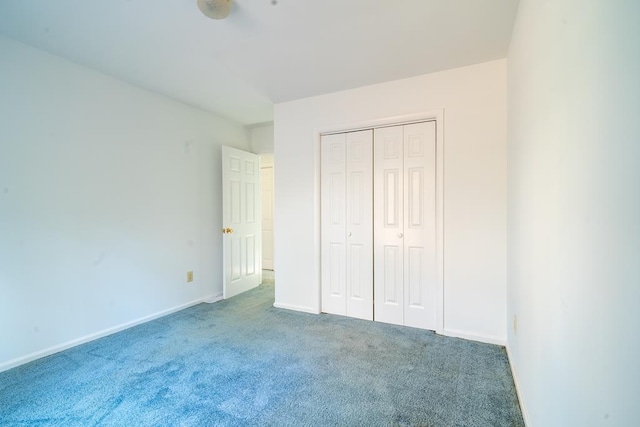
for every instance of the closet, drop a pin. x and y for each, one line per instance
(378, 229)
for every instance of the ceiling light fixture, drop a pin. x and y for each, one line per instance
(215, 9)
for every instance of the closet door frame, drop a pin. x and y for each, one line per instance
(436, 115)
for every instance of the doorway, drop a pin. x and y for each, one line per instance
(266, 179)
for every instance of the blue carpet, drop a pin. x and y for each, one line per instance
(241, 362)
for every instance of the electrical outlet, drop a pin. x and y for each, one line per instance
(189, 276)
(515, 324)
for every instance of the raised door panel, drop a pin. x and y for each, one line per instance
(359, 228)
(333, 159)
(420, 226)
(388, 224)
(235, 258)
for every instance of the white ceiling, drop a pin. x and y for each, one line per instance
(263, 53)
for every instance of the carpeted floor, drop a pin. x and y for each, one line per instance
(241, 362)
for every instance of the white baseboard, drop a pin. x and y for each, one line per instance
(523, 407)
(214, 298)
(296, 308)
(64, 346)
(467, 336)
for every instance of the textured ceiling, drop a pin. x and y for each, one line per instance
(263, 52)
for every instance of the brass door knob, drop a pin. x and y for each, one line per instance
(227, 230)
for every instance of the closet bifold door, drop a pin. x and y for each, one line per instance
(404, 225)
(388, 225)
(347, 224)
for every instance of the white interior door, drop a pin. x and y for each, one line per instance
(333, 155)
(404, 225)
(266, 175)
(420, 225)
(347, 224)
(389, 225)
(242, 246)
(359, 224)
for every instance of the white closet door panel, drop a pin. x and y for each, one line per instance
(388, 211)
(420, 225)
(333, 225)
(359, 257)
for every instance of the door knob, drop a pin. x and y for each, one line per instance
(349, 234)
(227, 230)
(399, 235)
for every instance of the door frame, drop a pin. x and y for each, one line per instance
(267, 161)
(436, 115)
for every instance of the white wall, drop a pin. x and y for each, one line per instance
(574, 211)
(474, 102)
(261, 138)
(108, 195)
